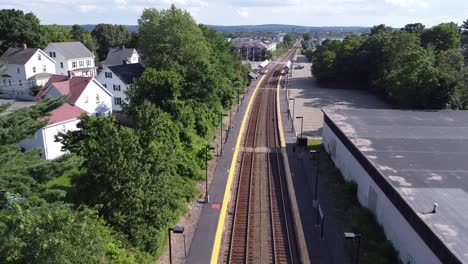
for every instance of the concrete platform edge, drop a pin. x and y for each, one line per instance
(301, 243)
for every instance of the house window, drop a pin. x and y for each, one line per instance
(86, 99)
(44, 68)
(108, 74)
(9, 82)
(20, 84)
(117, 100)
(50, 54)
(53, 53)
(116, 87)
(81, 63)
(105, 85)
(18, 70)
(34, 69)
(61, 65)
(39, 57)
(97, 99)
(88, 63)
(73, 64)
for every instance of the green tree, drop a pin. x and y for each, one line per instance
(80, 34)
(56, 33)
(54, 233)
(108, 36)
(324, 67)
(144, 193)
(414, 28)
(18, 28)
(307, 36)
(380, 29)
(443, 36)
(158, 87)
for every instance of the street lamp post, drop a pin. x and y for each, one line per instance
(207, 195)
(221, 131)
(302, 124)
(353, 236)
(317, 152)
(176, 230)
(294, 105)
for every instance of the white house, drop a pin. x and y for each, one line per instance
(86, 96)
(73, 57)
(85, 92)
(120, 56)
(25, 68)
(117, 79)
(62, 119)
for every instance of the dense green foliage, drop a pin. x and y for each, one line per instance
(56, 33)
(35, 225)
(83, 36)
(108, 36)
(18, 28)
(412, 68)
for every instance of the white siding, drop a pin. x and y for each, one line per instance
(54, 149)
(34, 142)
(52, 93)
(67, 64)
(35, 62)
(410, 246)
(110, 82)
(94, 89)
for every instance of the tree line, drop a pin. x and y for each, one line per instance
(414, 67)
(28, 30)
(125, 184)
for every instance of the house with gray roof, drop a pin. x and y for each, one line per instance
(121, 56)
(24, 68)
(72, 58)
(117, 79)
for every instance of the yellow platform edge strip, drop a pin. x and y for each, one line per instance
(278, 115)
(227, 192)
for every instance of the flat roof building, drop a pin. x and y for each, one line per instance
(411, 168)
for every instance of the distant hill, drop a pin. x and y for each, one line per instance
(286, 28)
(269, 27)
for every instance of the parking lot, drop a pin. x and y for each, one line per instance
(311, 96)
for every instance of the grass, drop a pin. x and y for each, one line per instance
(375, 247)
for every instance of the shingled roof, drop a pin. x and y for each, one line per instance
(116, 56)
(18, 55)
(63, 113)
(128, 72)
(72, 50)
(72, 87)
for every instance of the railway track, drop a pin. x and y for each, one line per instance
(261, 228)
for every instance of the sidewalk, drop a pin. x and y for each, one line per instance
(202, 244)
(331, 249)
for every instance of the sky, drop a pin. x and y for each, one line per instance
(396, 13)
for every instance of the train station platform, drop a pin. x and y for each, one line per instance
(207, 233)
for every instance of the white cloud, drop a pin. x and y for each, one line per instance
(408, 3)
(121, 3)
(243, 12)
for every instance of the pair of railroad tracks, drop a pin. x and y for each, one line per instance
(261, 230)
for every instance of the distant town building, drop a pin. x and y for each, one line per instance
(72, 57)
(254, 50)
(117, 79)
(24, 68)
(121, 56)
